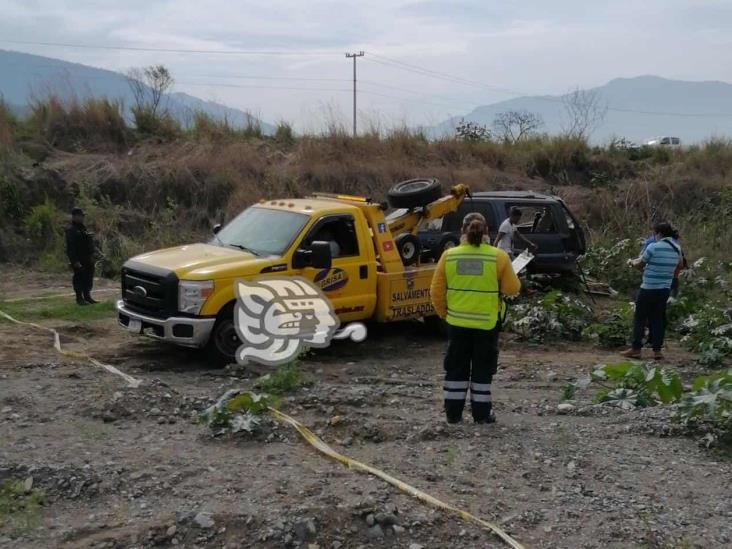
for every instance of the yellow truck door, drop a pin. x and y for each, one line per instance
(350, 283)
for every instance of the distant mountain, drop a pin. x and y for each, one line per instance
(631, 102)
(24, 76)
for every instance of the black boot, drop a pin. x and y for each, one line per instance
(81, 301)
(88, 298)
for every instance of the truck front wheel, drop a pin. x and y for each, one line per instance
(224, 340)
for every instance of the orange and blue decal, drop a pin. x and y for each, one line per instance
(330, 280)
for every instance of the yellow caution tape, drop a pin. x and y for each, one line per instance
(322, 447)
(131, 381)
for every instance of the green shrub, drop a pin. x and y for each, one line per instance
(610, 264)
(285, 379)
(614, 330)
(155, 124)
(552, 316)
(710, 401)
(19, 506)
(252, 129)
(206, 127)
(284, 134)
(43, 224)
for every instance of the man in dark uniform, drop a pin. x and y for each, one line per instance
(80, 250)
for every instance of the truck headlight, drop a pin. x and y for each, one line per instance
(192, 294)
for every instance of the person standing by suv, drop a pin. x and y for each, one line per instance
(658, 262)
(508, 233)
(80, 251)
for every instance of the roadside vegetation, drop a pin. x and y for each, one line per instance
(20, 505)
(57, 308)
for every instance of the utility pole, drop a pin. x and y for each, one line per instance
(354, 55)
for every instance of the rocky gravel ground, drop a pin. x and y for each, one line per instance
(122, 468)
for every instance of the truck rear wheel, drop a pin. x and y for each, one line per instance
(414, 193)
(224, 341)
(410, 248)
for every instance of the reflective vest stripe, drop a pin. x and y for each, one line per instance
(477, 316)
(473, 256)
(479, 291)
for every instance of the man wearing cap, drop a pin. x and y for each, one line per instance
(80, 251)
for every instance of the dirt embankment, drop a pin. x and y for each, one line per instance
(124, 467)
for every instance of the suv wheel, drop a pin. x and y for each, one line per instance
(414, 193)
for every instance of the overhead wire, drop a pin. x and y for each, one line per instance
(416, 69)
(299, 53)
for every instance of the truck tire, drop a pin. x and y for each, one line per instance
(224, 340)
(414, 193)
(410, 248)
(446, 242)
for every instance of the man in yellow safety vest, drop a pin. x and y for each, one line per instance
(466, 292)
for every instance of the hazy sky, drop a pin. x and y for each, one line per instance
(530, 46)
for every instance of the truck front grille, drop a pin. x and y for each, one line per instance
(150, 293)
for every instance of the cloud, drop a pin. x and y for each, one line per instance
(534, 46)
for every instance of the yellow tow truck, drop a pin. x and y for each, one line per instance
(365, 262)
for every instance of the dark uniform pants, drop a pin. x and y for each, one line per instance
(470, 363)
(83, 279)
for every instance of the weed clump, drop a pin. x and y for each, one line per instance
(285, 379)
(20, 505)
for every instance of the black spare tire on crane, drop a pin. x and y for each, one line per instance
(414, 193)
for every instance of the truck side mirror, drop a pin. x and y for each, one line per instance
(216, 228)
(317, 255)
(321, 257)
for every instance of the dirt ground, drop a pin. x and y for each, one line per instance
(123, 467)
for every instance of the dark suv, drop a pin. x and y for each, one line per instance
(546, 221)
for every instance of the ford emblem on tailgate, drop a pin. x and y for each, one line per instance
(140, 291)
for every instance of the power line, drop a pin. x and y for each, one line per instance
(247, 86)
(419, 93)
(293, 53)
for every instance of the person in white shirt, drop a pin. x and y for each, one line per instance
(508, 233)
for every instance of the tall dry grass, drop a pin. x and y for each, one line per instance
(96, 124)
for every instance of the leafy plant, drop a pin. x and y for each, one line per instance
(709, 333)
(286, 378)
(237, 411)
(554, 315)
(609, 264)
(629, 384)
(613, 331)
(710, 400)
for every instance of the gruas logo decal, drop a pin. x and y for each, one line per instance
(330, 280)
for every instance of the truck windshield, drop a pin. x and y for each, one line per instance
(261, 231)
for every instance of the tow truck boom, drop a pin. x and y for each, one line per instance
(409, 221)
